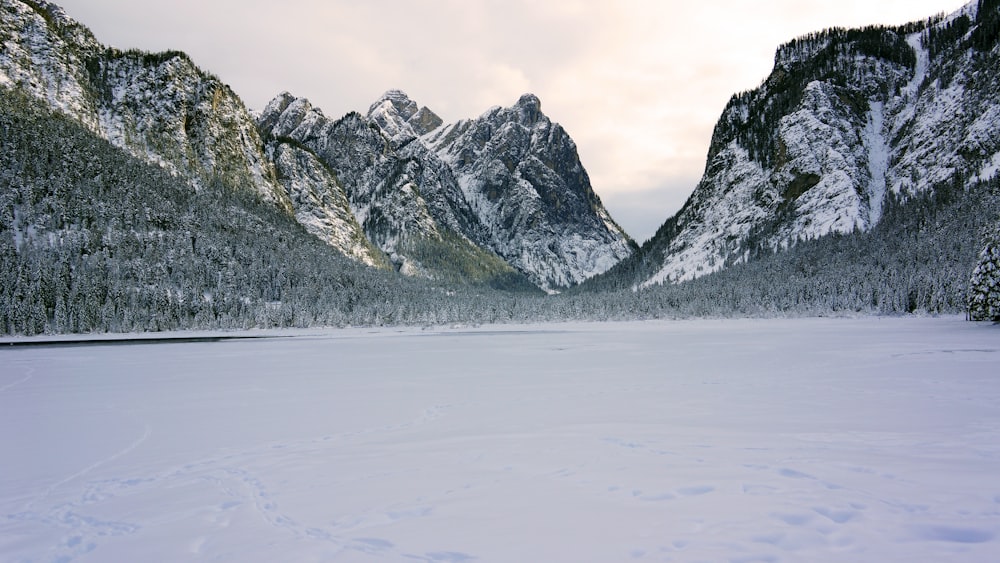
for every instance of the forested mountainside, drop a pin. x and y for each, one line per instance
(137, 193)
(848, 122)
(93, 239)
(372, 189)
(917, 259)
(159, 107)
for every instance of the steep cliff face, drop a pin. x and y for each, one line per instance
(848, 121)
(400, 118)
(160, 107)
(166, 109)
(521, 175)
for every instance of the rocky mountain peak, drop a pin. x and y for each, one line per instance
(285, 113)
(402, 118)
(499, 199)
(273, 110)
(521, 174)
(400, 102)
(529, 109)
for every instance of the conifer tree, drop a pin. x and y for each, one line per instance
(984, 287)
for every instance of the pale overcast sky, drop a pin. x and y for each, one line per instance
(638, 84)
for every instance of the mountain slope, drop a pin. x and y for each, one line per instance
(93, 238)
(320, 202)
(847, 121)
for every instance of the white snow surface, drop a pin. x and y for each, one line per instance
(990, 169)
(879, 153)
(915, 41)
(872, 439)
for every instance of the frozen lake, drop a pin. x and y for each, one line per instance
(765, 440)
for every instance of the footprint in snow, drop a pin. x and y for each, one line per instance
(952, 534)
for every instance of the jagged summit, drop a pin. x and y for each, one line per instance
(509, 182)
(286, 114)
(529, 108)
(274, 109)
(402, 118)
(400, 101)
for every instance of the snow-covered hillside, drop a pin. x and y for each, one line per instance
(847, 122)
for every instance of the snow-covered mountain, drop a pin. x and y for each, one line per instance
(848, 122)
(509, 182)
(382, 188)
(159, 107)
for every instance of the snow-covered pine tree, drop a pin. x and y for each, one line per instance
(984, 286)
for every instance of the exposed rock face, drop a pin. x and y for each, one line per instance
(320, 202)
(401, 118)
(394, 196)
(848, 121)
(522, 176)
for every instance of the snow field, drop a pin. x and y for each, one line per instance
(776, 440)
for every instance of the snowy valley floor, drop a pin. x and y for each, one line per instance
(874, 439)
